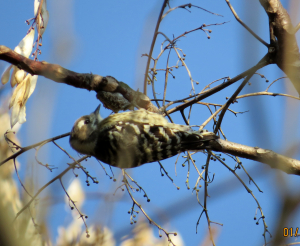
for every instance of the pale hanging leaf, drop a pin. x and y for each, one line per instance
(18, 93)
(13, 97)
(19, 98)
(36, 6)
(14, 117)
(18, 110)
(13, 80)
(33, 81)
(23, 98)
(30, 83)
(18, 114)
(24, 48)
(5, 75)
(22, 114)
(19, 75)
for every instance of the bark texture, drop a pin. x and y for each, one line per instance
(283, 40)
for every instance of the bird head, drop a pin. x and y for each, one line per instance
(84, 132)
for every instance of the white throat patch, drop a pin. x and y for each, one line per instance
(80, 123)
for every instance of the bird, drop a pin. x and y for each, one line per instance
(133, 138)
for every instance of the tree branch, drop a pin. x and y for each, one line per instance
(287, 55)
(153, 43)
(245, 26)
(263, 62)
(114, 94)
(24, 149)
(59, 176)
(274, 160)
(220, 87)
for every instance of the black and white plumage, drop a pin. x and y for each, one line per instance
(130, 139)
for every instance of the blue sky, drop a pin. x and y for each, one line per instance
(108, 38)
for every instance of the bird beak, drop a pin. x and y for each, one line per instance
(97, 114)
(97, 111)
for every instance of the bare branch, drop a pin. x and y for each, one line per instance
(81, 215)
(245, 26)
(230, 101)
(153, 43)
(274, 160)
(266, 93)
(189, 5)
(24, 149)
(135, 203)
(71, 166)
(114, 94)
(250, 192)
(220, 87)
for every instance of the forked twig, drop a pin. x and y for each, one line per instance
(263, 62)
(135, 203)
(71, 166)
(24, 149)
(250, 192)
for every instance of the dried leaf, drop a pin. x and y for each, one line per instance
(6, 74)
(24, 48)
(19, 75)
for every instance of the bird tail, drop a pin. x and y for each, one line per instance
(198, 140)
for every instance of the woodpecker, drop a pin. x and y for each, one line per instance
(133, 138)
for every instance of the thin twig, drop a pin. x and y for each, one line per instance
(24, 149)
(20, 179)
(143, 211)
(210, 118)
(153, 43)
(274, 82)
(245, 26)
(39, 162)
(162, 168)
(263, 62)
(188, 5)
(205, 201)
(71, 166)
(166, 78)
(140, 188)
(265, 93)
(250, 178)
(95, 181)
(215, 89)
(249, 191)
(81, 215)
(196, 29)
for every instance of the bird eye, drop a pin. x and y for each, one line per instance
(87, 122)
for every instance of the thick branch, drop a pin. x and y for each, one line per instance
(287, 52)
(51, 71)
(114, 94)
(274, 160)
